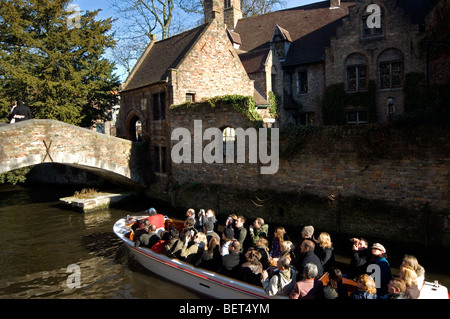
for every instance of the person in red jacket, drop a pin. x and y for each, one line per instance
(156, 219)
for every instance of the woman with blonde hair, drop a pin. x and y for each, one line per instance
(411, 261)
(366, 288)
(262, 246)
(325, 251)
(408, 274)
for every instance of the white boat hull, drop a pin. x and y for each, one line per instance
(194, 278)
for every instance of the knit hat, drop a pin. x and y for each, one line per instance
(209, 225)
(308, 231)
(229, 233)
(379, 247)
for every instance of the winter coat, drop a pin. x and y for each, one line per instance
(281, 283)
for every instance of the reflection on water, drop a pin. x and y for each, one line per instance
(40, 239)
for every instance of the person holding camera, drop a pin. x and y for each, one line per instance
(194, 245)
(360, 258)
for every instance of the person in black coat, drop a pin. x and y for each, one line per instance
(308, 256)
(360, 258)
(231, 263)
(20, 113)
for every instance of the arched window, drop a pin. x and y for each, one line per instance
(390, 69)
(356, 67)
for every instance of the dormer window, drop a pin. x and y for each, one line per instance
(281, 40)
(279, 50)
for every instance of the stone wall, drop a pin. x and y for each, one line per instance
(34, 142)
(401, 167)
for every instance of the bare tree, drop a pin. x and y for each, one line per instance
(249, 8)
(146, 17)
(139, 20)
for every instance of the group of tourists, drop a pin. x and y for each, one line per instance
(275, 263)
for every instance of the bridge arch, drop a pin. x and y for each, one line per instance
(35, 142)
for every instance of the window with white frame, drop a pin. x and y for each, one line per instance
(356, 72)
(357, 78)
(357, 115)
(229, 139)
(190, 97)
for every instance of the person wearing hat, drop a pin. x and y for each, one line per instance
(208, 229)
(308, 232)
(379, 258)
(227, 237)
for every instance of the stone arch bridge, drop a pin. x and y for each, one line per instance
(36, 142)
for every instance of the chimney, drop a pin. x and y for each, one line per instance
(213, 10)
(335, 4)
(232, 13)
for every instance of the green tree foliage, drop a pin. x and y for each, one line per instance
(15, 177)
(52, 59)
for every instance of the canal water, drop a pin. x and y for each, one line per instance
(40, 240)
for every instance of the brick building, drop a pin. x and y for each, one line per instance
(298, 54)
(190, 66)
(295, 53)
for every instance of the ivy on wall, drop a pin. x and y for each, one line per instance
(243, 104)
(424, 105)
(336, 100)
(274, 108)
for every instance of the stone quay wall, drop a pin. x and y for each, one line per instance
(401, 173)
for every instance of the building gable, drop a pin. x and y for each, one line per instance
(161, 56)
(211, 68)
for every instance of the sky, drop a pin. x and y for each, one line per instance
(107, 11)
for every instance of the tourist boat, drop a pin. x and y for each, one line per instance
(195, 278)
(216, 285)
